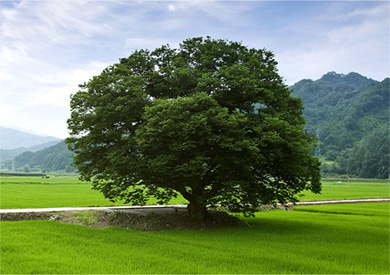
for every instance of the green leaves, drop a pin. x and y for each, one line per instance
(180, 137)
(211, 120)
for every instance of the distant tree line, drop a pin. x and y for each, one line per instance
(22, 174)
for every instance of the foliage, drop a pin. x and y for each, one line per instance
(348, 112)
(53, 158)
(211, 120)
(370, 156)
(277, 242)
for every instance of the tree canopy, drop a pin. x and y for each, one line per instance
(211, 120)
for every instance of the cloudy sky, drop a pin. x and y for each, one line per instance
(47, 48)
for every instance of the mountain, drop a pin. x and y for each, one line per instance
(12, 139)
(53, 158)
(11, 153)
(347, 113)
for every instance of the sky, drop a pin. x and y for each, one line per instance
(48, 48)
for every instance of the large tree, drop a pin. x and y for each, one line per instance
(211, 120)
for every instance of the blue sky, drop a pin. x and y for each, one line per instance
(47, 48)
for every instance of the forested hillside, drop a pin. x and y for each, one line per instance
(350, 116)
(54, 158)
(11, 153)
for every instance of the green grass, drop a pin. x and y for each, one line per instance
(350, 190)
(58, 195)
(365, 209)
(35, 192)
(295, 242)
(38, 180)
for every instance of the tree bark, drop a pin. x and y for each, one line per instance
(197, 211)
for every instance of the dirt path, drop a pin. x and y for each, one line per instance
(108, 208)
(167, 208)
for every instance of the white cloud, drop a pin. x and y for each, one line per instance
(45, 103)
(57, 87)
(171, 8)
(361, 45)
(9, 15)
(381, 10)
(42, 60)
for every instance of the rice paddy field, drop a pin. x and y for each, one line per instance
(326, 239)
(323, 239)
(35, 192)
(349, 190)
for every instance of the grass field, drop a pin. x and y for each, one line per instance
(350, 190)
(363, 209)
(38, 180)
(330, 239)
(35, 192)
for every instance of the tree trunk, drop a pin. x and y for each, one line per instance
(197, 211)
